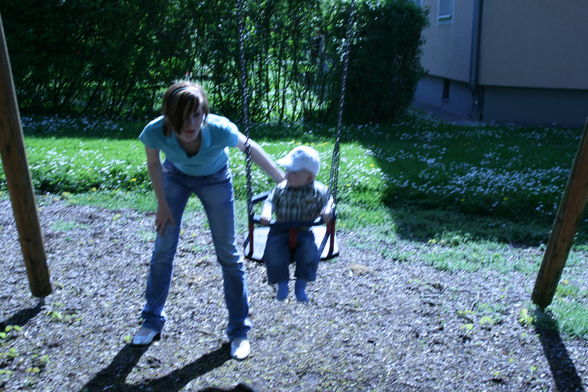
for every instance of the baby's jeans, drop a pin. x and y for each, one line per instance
(216, 194)
(277, 256)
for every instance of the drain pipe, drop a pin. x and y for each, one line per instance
(475, 89)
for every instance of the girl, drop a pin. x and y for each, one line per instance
(195, 146)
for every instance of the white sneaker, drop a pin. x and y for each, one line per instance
(145, 336)
(240, 348)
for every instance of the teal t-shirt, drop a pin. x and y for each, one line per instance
(217, 135)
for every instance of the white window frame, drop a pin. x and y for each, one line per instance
(446, 16)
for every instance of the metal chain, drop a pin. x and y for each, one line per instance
(334, 175)
(245, 93)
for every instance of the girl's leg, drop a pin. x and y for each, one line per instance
(161, 268)
(216, 196)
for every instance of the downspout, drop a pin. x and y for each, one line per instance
(475, 89)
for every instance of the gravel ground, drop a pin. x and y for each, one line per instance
(373, 324)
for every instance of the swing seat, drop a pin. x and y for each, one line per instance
(324, 235)
(320, 235)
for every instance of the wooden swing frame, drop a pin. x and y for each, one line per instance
(564, 228)
(18, 180)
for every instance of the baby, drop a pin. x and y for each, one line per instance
(299, 198)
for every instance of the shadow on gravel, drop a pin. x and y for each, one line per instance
(21, 317)
(562, 367)
(237, 388)
(113, 378)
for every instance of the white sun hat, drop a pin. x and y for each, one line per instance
(301, 158)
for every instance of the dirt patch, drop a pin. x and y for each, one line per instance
(373, 324)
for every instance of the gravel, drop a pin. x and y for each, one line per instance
(373, 323)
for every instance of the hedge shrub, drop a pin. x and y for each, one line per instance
(114, 59)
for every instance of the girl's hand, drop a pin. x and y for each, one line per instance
(163, 217)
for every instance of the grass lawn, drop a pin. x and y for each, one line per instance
(463, 196)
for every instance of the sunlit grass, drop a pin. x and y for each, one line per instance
(416, 171)
(485, 170)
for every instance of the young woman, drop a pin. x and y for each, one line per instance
(195, 146)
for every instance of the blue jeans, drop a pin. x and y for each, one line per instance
(277, 256)
(216, 194)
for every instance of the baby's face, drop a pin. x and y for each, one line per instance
(298, 178)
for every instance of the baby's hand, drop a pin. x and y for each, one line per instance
(327, 213)
(265, 219)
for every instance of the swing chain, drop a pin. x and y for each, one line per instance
(246, 122)
(334, 175)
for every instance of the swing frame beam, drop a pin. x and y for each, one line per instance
(18, 179)
(564, 228)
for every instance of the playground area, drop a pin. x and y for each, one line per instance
(374, 323)
(409, 304)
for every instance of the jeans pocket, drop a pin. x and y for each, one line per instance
(168, 169)
(222, 176)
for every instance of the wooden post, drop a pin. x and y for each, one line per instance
(564, 228)
(19, 180)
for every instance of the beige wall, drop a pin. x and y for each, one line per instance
(447, 47)
(534, 43)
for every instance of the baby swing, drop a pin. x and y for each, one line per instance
(324, 234)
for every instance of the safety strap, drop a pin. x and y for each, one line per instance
(292, 239)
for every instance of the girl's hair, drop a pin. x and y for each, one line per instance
(179, 102)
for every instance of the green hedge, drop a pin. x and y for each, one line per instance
(385, 60)
(111, 58)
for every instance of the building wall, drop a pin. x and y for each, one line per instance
(534, 43)
(535, 106)
(450, 96)
(446, 51)
(446, 58)
(533, 64)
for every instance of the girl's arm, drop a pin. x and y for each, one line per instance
(163, 216)
(260, 157)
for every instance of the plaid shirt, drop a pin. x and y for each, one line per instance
(298, 204)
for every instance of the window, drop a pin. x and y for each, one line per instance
(446, 84)
(445, 11)
(418, 2)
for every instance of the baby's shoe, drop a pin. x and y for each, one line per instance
(300, 290)
(282, 291)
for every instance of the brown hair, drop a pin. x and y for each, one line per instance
(181, 100)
